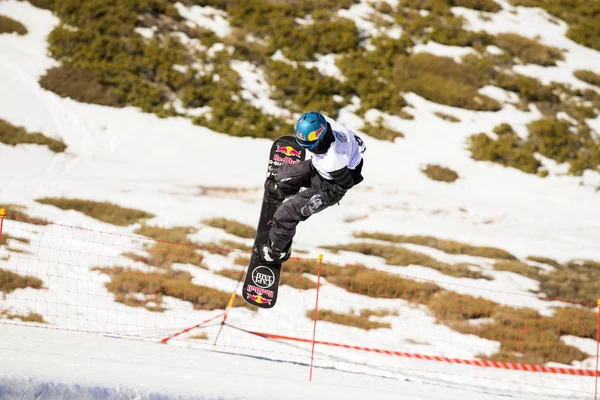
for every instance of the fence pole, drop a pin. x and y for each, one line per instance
(2, 216)
(597, 352)
(312, 355)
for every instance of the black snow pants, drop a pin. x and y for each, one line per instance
(319, 195)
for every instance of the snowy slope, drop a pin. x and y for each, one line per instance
(159, 165)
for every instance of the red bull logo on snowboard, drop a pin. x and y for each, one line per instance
(285, 160)
(257, 298)
(288, 151)
(260, 291)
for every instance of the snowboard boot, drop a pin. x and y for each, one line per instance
(269, 254)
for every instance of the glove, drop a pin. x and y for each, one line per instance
(272, 190)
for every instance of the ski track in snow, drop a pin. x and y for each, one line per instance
(158, 165)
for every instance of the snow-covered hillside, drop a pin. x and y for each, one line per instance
(185, 173)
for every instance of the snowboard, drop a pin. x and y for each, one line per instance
(262, 279)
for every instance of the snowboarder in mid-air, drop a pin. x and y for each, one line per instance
(334, 167)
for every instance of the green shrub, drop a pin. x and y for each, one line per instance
(14, 135)
(588, 76)
(380, 131)
(529, 89)
(442, 80)
(503, 128)
(323, 37)
(581, 15)
(555, 139)
(45, 4)
(11, 281)
(300, 88)
(482, 5)
(441, 25)
(79, 85)
(102, 211)
(528, 50)
(508, 150)
(439, 173)
(9, 25)
(371, 75)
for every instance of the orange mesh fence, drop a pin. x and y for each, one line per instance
(72, 278)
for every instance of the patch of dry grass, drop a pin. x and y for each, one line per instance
(11, 281)
(30, 317)
(164, 255)
(525, 336)
(446, 117)
(14, 135)
(447, 246)
(518, 267)
(439, 173)
(102, 211)
(359, 279)
(141, 289)
(9, 25)
(529, 50)
(16, 212)
(403, 257)
(588, 76)
(176, 234)
(578, 280)
(360, 321)
(80, 85)
(233, 245)
(545, 260)
(201, 336)
(232, 227)
(6, 237)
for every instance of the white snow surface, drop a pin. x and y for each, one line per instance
(165, 166)
(206, 17)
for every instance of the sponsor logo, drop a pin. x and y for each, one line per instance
(340, 136)
(257, 298)
(288, 151)
(263, 277)
(261, 291)
(314, 135)
(285, 160)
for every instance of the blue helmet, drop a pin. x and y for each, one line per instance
(310, 130)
